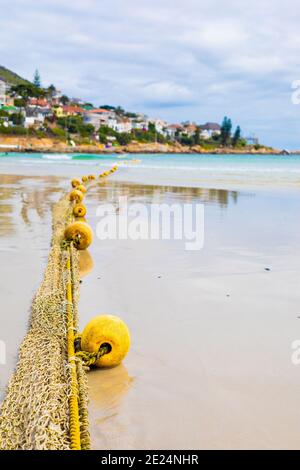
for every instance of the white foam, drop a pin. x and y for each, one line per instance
(54, 156)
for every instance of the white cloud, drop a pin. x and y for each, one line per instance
(161, 93)
(197, 60)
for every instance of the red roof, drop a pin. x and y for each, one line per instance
(98, 111)
(38, 102)
(72, 109)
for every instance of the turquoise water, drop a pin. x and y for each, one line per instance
(225, 171)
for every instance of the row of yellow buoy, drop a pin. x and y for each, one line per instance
(82, 235)
(108, 172)
(107, 330)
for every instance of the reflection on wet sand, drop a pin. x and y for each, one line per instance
(21, 194)
(86, 263)
(107, 388)
(110, 190)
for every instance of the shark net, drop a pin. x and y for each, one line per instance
(36, 412)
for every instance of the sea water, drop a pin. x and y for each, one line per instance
(218, 171)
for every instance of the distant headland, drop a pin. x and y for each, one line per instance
(38, 119)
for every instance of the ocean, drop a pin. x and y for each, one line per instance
(218, 171)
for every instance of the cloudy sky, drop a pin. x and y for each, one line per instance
(179, 60)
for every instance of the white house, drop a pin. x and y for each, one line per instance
(160, 125)
(36, 116)
(173, 129)
(124, 125)
(2, 92)
(209, 129)
(95, 119)
(100, 117)
(140, 124)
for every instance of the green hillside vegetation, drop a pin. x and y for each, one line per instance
(11, 77)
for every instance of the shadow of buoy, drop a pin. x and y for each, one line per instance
(108, 386)
(86, 263)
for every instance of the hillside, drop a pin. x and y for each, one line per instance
(11, 77)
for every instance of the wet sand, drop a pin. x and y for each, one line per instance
(210, 364)
(25, 233)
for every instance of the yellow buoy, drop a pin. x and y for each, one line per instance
(80, 233)
(106, 330)
(79, 210)
(84, 179)
(76, 195)
(81, 188)
(92, 177)
(75, 182)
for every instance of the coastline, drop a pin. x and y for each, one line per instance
(47, 145)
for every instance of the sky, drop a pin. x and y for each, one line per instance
(176, 60)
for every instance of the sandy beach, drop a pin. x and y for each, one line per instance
(210, 363)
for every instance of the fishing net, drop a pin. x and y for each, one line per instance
(35, 413)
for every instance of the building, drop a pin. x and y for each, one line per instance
(2, 92)
(9, 109)
(190, 130)
(209, 129)
(139, 124)
(72, 111)
(123, 125)
(40, 102)
(58, 111)
(173, 130)
(100, 117)
(36, 116)
(160, 125)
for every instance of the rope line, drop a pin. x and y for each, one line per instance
(46, 402)
(75, 442)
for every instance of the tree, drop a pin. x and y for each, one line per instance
(26, 91)
(104, 132)
(123, 138)
(226, 131)
(119, 111)
(17, 119)
(196, 136)
(106, 106)
(236, 136)
(151, 127)
(37, 79)
(64, 99)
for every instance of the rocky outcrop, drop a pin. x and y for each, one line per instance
(45, 145)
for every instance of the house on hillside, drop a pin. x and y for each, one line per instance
(72, 111)
(9, 109)
(160, 125)
(140, 124)
(40, 102)
(99, 117)
(209, 129)
(77, 101)
(123, 125)
(173, 130)
(55, 97)
(2, 92)
(35, 116)
(190, 130)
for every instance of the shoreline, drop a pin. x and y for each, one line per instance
(9, 144)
